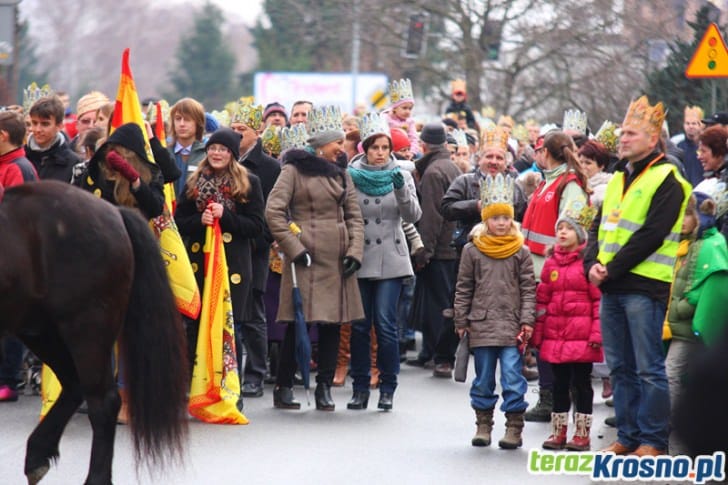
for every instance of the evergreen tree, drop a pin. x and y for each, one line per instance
(676, 91)
(205, 64)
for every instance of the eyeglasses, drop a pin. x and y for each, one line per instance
(217, 149)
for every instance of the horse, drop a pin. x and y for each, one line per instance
(78, 274)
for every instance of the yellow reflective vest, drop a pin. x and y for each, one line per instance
(624, 213)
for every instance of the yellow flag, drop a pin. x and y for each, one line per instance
(50, 389)
(215, 387)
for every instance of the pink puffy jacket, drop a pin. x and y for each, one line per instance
(567, 309)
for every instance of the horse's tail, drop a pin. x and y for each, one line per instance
(154, 357)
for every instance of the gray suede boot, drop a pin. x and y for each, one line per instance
(541, 412)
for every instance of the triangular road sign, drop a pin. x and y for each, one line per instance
(710, 58)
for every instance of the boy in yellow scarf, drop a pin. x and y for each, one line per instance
(495, 299)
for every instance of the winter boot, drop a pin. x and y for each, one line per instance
(514, 426)
(541, 412)
(342, 358)
(557, 440)
(580, 441)
(484, 421)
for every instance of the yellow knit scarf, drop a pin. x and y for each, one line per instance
(498, 247)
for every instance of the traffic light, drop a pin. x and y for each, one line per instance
(493, 30)
(415, 36)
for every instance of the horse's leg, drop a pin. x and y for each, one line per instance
(42, 447)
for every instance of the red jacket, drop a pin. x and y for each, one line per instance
(567, 309)
(15, 169)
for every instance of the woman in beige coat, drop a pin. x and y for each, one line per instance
(319, 196)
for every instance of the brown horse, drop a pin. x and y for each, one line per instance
(76, 275)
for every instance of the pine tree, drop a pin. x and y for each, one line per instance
(205, 64)
(676, 91)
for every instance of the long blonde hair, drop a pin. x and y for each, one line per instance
(122, 190)
(238, 174)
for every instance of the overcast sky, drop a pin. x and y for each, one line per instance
(247, 10)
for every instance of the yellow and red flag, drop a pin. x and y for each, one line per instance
(179, 270)
(215, 387)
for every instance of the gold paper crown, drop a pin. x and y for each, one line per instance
(607, 136)
(520, 133)
(33, 93)
(247, 113)
(460, 139)
(496, 196)
(222, 117)
(575, 120)
(401, 91)
(294, 137)
(152, 111)
(373, 124)
(488, 112)
(506, 120)
(494, 137)
(270, 139)
(580, 213)
(323, 119)
(642, 116)
(694, 112)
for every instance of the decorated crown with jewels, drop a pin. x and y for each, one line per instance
(270, 140)
(575, 120)
(641, 116)
(33, 93)
(247, 113)
(580, 213)
(373, 124)
(494, 137)
(401, 91)
(323, 119)
(294, 137)
(607, 136)
(152, 111)
(496, 196)
(222, 117)
(520, 133)
(460, 139)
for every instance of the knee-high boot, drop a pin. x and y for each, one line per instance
(344, 355)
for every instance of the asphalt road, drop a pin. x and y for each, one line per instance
(424, 440)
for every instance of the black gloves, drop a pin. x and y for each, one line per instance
(351, 266)
(304, 259)
(397, 179)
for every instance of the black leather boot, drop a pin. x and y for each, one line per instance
(359, 400)
(283, 398)
(385, 401)
(324, 402)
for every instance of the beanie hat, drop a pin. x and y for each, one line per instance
(706, 209)
(400, 139)
(433, 134)
(227, 138)
(91, 102)
(211, 123)
(274, 107)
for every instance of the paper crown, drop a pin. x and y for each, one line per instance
(373, 124)
(496, 196)
(580, 213)
(506, 120)
(294, 136)
(33, 93)
(222, 117)
(151, 115)
(607, 136)
(245, 112)
(520, 133)
(693, 112)
(575, 120)
(270, 140)
(458, 86)
(488, 112)
(323, 119)
(494, 137)
(460, 139)
(401, 92)
(641, 116)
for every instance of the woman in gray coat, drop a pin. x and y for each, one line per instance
(387, 197)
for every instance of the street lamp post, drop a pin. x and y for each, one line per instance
(8, 49)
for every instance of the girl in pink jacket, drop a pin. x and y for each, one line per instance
(567, 328)
(399, 112)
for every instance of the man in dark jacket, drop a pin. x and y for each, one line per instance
(247, 120)
(436, 265)
(47, 147)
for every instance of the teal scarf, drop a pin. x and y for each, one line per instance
(373, 182)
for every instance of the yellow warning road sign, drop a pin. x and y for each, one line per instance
(710, 59)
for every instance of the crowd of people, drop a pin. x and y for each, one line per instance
(558, 253)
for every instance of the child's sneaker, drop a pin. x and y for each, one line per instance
(7, 394)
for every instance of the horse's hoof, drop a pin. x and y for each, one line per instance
(35, 476)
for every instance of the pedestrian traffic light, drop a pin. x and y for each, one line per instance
(493, 29)
(415, 36)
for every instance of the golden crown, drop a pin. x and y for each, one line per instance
(488, 112)
(323, 119)
(33, 93)
(222, 117)
(373, 124)
(400, 91)
(496, 190)
(152, 111)
(270, 139)
(520, 133)
(460, 139)
(245, 112)
(494, 137)
(692, 112)
(580, 213)
(294, 137)
(607, 136)
(575, 120)
(641, 116)
(506, 120)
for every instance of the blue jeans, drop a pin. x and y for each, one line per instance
(632, 338)
(513, 384)
(12, 361)
(379, 298)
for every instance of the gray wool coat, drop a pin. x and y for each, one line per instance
(385, 246)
